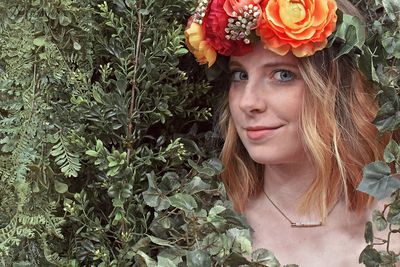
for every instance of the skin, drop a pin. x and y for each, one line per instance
(265, 100)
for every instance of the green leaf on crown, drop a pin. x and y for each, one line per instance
(349, 34)
(366, 64)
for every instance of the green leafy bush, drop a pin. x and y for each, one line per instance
(108, 154)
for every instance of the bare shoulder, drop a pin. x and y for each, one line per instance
(381, 206)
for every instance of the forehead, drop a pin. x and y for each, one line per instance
(261, 56)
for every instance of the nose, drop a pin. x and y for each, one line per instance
(252, 100)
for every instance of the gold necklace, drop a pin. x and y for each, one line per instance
(297, 224)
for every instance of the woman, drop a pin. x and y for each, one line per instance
(296, 123)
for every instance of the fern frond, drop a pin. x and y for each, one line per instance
(51, 257)
(68, 161)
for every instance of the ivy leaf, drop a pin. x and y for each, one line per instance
(350, 31)
(212, 243)
(377, 180)
(379, 220)
(216, 164)
(266, 257)
(184, 202)
(241, 240)
(169, 182)
(391, 152)
(195, 185)
(388, 259)
(368, 233)
(366, 64)
(160, 241)
(192, 147)
(394, 213)
(392, 8)
(217, 209)
(370, 257)
(391, 44)
(153, 198)
(388, 118)
(173, 254)
(165, 262)
(142, 243)
(236, 259)
(149, 261)
(207, 170)
(198, 258)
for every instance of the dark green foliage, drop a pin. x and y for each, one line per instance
(103, 140)
(108, 155)
(381, 63)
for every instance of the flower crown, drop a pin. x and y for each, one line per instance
(229, 27)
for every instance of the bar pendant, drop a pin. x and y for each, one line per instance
(306, 224)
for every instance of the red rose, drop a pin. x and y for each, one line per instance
(214, 23)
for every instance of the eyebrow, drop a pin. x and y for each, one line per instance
(273, 64)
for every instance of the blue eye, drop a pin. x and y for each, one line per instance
(238, 75)
(284, 75)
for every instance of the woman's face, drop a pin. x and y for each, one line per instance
(265, 99)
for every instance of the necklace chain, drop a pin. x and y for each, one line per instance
(296, 224)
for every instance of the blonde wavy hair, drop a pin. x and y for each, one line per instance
(337, 130)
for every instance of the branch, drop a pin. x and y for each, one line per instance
(134, 82)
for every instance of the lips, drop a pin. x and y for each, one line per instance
(260, 132)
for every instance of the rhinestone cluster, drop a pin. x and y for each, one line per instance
(200, 11)
(242, 22)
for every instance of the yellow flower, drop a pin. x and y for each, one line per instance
(195, 41)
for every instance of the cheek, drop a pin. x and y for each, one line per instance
(233, 103)
(291, 106)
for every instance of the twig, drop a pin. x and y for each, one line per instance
(134, 83)
(388, 238)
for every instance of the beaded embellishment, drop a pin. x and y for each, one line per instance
(241, 23)
(200, 11)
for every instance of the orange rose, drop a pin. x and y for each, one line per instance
(200, 48)
(301, 26)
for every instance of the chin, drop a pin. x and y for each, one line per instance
(264, 157)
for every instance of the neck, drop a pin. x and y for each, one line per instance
(286, 183)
